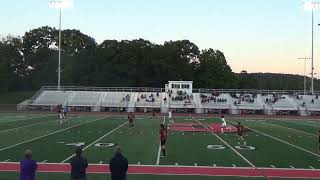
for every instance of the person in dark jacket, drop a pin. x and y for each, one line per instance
(118, 166)
(28, 167)
(78, 166)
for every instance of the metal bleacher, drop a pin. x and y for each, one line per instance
(103, 98)
(116, 99)
(84, 98)
(51, 98)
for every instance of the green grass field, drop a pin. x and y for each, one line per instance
(278, 143)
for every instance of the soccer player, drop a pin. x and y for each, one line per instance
(131, 117)
(240, 130)
(64, 113)
(223, 123)
(170, 114)
(163, 139)
(153, 114)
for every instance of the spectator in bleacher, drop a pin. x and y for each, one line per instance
(118, 165)
(79, 165)
(28, 167)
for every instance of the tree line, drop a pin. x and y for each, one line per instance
(30, 61)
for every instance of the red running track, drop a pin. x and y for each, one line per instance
(180, 170)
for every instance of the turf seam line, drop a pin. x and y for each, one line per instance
(97, 140)
(12, 129)
(277, 139)
(40, 137)
(26, 119)
(159, 151)
(293, 129)
(245, 159)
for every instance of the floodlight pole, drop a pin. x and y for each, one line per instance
(312, 90)
(305, 76)
(59, 61)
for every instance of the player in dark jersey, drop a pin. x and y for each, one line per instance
(163, 139)
(131, 117)
(153, 114)
(240, 131)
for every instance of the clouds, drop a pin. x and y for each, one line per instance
(61, 4)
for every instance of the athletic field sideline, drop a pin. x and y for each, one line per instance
(275, 148)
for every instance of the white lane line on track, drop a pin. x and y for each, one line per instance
(277, 139)
(240, 155)
(97, 140)
(55, 132)
(159, 150)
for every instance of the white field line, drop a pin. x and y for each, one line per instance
(289, 128)
(306, 124)
(97, 140)
(26, 126)
(33, 139)
(277, 139)
(25, 119)
(159, 151)
(240, 155)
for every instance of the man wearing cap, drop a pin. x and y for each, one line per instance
(28, 167)
(118, 165)
(78, 166)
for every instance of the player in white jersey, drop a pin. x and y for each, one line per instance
(170, 114)
(223, 123)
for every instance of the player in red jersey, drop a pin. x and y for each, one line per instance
(131, 117)
(240, 130)
(163, 139)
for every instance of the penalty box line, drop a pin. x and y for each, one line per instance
(40, 137)
(97, 140)
(239, 154)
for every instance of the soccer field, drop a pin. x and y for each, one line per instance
(276, 148)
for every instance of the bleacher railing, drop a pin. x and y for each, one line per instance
(152, 89)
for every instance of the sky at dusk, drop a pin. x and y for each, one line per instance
(255, 35)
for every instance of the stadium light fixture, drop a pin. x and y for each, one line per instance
(312, 5)
(60, 5)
